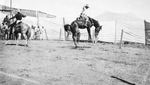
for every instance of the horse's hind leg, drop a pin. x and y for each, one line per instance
(75, 42)
(78, 36)
(74, 36)
(25, 36)
(89, 34)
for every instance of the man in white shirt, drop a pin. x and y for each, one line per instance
(82, 15)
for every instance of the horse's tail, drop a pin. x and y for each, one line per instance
(67, 27)
(28, 33)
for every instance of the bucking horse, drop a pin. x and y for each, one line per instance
(24, 30)
(82, 24)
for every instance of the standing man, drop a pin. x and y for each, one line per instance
(42, 33)
(6, 21)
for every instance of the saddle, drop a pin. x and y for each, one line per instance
(84, 21)
(18, 24)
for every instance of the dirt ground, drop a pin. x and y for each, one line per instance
(59, 63)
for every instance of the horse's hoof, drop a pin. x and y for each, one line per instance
(27, 46)
(76, 46)
(6, 43)
(89, 39)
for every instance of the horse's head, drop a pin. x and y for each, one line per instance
(97, 30)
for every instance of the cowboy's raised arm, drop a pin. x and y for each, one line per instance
(12, 17)
(23, 15)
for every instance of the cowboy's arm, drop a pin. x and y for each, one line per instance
(12, 17)
(23, 15)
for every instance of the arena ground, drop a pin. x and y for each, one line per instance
(51, 62)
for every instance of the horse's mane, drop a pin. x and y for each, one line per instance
(96, 23)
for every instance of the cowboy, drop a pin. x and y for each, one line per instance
(18, 16)
(82, 15)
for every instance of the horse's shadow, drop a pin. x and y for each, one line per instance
(76, 48)
(17, 45)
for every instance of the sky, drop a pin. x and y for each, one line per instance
(70, 9)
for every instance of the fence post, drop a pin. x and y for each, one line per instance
(60, 35)
(63, 27)
(121, 38)
(46, 34)
(145, 79)
(115, 30)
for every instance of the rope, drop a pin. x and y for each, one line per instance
(128, 26)
(132, 34)
(137, 38)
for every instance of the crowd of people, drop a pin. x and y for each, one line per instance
(8, 23)
(37, 33)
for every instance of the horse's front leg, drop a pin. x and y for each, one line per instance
(89, 34)
(67, 37)
(7, 38)
(16, 38)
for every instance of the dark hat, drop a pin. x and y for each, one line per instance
(87, 6)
